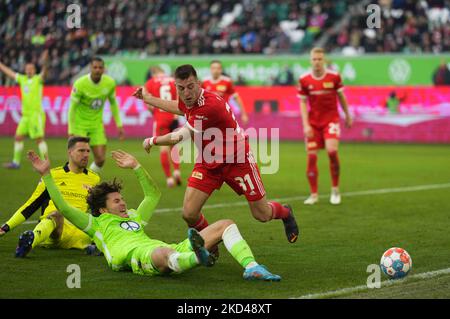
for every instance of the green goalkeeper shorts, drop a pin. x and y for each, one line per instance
(96, 134)
(32, 126)
(141, 259)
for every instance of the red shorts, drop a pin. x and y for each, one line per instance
(320, 134)
(162, 127)
(243, 178)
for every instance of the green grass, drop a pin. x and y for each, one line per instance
(337, 243)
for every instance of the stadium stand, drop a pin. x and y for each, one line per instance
(175, 27)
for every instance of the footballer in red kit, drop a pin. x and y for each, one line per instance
(163, 86)
(224, 153)
(322, 88)
(223, 86)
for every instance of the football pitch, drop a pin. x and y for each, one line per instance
(393, 195)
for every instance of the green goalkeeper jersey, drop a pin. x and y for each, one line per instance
(87, 102)
(115, 236)
(31, 89)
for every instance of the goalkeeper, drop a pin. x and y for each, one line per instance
(118, 231)
(53, 231)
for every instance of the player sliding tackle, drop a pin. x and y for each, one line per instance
(232, 162)
(119, 233)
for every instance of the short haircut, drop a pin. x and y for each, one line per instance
(215, 61)
(75, 139)
(98, 195)
(317, 50)
(184, 71)
(156, 69)
(98, 59)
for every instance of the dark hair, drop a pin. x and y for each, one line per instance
(98, 59)
(98, 194)
(215, 61)
(184, 71)
(75, 139)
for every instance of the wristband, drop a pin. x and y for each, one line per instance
(5, 228)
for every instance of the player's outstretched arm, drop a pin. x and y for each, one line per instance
(152, 194)
(166, 105)
(45, 64)
(169, 139)
(9, 72)
(36, 200)
(74, 215)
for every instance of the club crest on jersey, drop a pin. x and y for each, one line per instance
(197, 175)
(87, 187)
(328, 85)
(130, 225)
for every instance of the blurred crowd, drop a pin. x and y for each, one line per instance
(406, 26)
(175, 27)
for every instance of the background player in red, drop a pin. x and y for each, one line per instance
(206, 112)
(223, 85)
(163, 86)
(322, 87)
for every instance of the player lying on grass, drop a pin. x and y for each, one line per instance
(119, 232)
(53, 231)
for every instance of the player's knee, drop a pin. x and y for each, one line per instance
(160, 260)
(225, 223)
(190, 215)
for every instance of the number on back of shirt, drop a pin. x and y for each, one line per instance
(165, 92)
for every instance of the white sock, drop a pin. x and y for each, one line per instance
(231, 236)
(95, 168)
(173, 262)
(252, 264)
(18, 148)
(43, 149)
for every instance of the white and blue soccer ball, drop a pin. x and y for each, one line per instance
(396, 262)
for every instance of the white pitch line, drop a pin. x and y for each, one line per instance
(389, 282)
(299, 198)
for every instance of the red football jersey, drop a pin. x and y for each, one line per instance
(322, 96)
(162, 86)
(216, 130)
(223, 86)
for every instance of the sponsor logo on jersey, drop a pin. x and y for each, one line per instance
(197, 175)
(130, 225)
(328, 85)
(221, 88)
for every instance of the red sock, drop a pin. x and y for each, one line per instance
(278, 210)
(164, 157)
(334, 168)
(312, 172)
(200, 224)
(175, 157)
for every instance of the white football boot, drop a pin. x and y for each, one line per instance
(312, 199)
(335, 197)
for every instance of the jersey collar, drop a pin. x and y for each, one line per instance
(67, 169)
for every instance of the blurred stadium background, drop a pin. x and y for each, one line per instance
(397, 80)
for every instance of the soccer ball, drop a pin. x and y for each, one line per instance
(396, 262)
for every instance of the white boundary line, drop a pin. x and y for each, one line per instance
(389, 282)
(299, 198)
